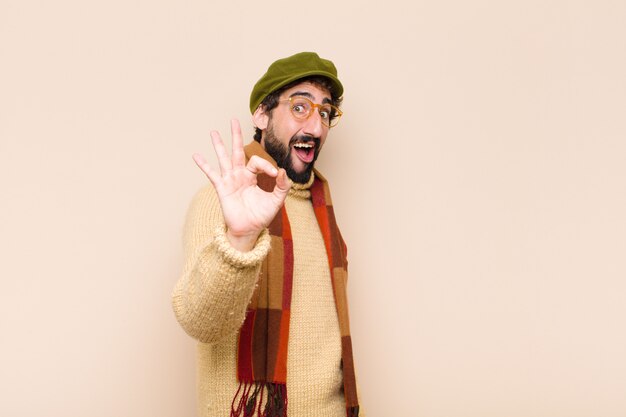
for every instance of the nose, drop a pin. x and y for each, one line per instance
(313, 126)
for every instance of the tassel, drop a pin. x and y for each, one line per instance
(259, 413)
(276, 405)
(251, 404)
(243, 400)
(251, 401)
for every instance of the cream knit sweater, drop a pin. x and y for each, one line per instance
(211, 296)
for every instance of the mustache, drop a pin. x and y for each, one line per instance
(304, 139)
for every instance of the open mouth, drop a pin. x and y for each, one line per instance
(305, 151)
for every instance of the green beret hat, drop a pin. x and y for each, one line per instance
(286, 70)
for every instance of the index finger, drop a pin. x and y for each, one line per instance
(238, 156)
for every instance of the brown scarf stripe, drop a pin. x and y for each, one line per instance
(264, 335)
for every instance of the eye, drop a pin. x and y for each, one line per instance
(298, 108)
(325, 114)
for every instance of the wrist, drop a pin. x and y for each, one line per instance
(242, 242)
(237, 258)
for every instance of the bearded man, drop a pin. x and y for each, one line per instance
(263, 287)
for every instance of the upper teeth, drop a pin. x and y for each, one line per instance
(303, 145)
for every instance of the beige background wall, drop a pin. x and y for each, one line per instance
(478, 176)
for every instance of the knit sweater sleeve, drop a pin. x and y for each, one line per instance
(211, 296)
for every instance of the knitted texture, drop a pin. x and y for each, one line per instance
(211, 296)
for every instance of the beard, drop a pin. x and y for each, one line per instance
(282, 154)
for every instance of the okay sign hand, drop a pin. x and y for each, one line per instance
(247, 209)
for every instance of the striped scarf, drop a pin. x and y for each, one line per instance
(264, 335)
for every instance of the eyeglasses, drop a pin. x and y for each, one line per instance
(302, 108)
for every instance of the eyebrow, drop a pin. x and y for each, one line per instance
(310, 96)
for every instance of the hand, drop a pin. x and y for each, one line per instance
(246, 208)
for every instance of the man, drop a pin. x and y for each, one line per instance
(263, 287)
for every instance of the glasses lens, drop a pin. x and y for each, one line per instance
(335, 115)
(329, 114)
(301, 107)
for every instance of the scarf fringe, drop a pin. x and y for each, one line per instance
(250, 402)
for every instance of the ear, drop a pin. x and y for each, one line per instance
(260, 118)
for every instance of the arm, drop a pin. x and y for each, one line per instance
(226, 241)
(211, 296)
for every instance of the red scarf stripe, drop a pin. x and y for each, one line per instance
(280, 369)
(244, 356)
(321, 213)
(287, 279)
(337, 245)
